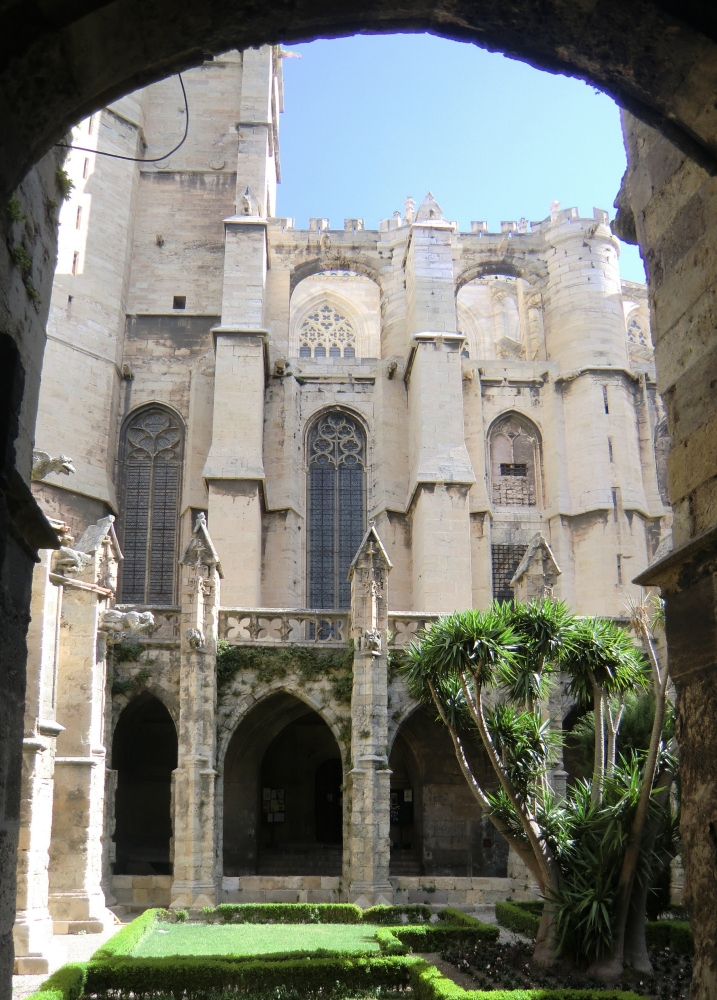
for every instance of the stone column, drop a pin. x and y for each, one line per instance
(195, 879)
(440, 469)
(369, 845)
(77, 902)
(32, 932)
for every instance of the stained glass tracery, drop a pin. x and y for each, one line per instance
(336, 501)
(152, 471)
(327, 333)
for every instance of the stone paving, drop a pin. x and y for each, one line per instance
(65, 948)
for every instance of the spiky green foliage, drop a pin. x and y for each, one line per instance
(597, 648)
(578, 846)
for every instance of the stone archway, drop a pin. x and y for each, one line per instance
(61, 65)
(437, 829)
(144, 754)
(282, 778)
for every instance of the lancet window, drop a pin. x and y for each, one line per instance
(152, 459)
(326, 332)
(514, 462)
(337, 506)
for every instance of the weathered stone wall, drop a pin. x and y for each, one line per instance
(25, 284)
(669, 204)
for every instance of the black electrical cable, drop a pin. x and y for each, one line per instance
(138, 159)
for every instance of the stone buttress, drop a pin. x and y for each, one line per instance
(194, 884)
(369, 849)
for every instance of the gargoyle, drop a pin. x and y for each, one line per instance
(116, 624)
(43, 464)
(195, 638)
(67, 560)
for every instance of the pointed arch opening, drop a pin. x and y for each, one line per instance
(437, 827)
(144, 754)
(515, 466)
(283, 807)
(336, 504)
(151, 458)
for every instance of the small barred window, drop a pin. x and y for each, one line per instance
(337, 504)
(506, 559)
(152, 473)
(327, 333)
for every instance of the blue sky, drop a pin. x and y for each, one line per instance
(371, 119)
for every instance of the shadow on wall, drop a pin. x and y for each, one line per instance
(437, 827)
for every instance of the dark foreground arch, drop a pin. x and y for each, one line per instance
(61, 61)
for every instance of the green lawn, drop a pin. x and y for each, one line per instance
(254, 939)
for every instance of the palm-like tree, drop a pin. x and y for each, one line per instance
(513, 650)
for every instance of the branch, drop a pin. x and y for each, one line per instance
(543, 854)
(523, 851)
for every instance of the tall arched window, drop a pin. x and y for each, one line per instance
(152, 470)
(515, 462)
(336, 502)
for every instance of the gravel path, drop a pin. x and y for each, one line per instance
(65, 948)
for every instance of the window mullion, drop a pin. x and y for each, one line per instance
(150, 523)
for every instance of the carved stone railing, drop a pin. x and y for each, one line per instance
(291, 626)
(277, 626)
(403, 626)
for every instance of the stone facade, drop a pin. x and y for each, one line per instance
(482, 412)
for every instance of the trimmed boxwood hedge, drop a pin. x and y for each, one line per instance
(429, 984)
(192, 978)
(289, 913)
(433, 937)
(523, 918)
(67, 983)
(124, 942)
(388, 916)
(673, 934)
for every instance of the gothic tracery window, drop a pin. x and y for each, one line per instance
(636, 333)
(336, 502)
(152, 470)
(327, 333)
(514, 458)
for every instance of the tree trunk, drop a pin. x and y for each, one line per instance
(636, 953)
(545, 953)
(599, 759)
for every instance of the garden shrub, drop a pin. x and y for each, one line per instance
(67, 983)
(429, 984)
(389, 916)
(673, 934)
(434, 937)
(124, 942)
(289, 913)
(389, 943)
(195, 977)
(523, 918)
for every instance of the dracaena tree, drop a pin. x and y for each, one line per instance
(488, 674)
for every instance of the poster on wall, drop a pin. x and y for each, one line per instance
(272, 804)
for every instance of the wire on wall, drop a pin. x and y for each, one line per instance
(139, 159)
